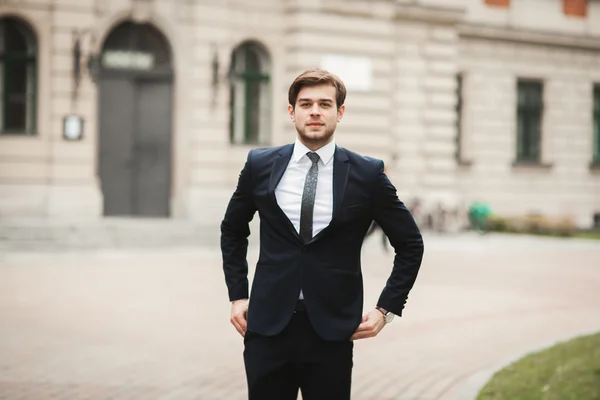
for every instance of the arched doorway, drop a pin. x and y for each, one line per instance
(135, 120)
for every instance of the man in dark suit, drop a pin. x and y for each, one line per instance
(316, 201)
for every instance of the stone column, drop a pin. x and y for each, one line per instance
(425, 118)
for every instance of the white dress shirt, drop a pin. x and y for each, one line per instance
(290, 188)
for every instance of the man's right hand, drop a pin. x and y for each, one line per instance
(239, 314)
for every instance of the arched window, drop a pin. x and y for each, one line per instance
(250, 94)
(18, 63)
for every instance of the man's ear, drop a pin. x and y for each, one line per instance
(340, 112)
(291, 112)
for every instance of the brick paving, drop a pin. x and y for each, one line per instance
(152, 323)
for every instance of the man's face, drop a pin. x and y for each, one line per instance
(316, 115)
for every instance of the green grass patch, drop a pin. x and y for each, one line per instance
(566, 371)
(588, 235)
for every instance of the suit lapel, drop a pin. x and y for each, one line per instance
(341, 170)
(277, 170)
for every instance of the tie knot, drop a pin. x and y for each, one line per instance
(314, 157)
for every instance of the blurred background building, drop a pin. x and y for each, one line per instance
(149, 107)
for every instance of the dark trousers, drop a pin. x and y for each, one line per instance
(297, 358)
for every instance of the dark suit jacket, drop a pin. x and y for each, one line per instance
(328, 268)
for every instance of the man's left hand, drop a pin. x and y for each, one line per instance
(371, 325)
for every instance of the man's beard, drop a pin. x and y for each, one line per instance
(320, 140)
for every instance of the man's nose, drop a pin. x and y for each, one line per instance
(315, 110)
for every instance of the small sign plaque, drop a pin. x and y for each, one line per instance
(128, 60)
(355, 71)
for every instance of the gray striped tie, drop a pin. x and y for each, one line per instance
(308, 199)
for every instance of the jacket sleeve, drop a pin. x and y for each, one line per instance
(400, 227)
(235, 230)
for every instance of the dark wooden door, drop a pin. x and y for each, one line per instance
(135, 146)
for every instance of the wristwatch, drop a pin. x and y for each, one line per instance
(387, 315)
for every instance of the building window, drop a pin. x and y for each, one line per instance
(596, 152)
(575, 8)
(18, 63)
(498, 3)
(459, 106)
(250, 94)
(529, 120)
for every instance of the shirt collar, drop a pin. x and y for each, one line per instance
(325, 152)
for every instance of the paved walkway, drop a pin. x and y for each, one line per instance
(153, 324)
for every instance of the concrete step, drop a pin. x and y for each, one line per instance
(47, 234)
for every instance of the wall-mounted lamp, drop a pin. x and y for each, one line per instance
(77, 53)
(217, 78)
(76, 61)
(215, 65)
(73, 127)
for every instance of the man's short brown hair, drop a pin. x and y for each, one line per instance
(313, 77)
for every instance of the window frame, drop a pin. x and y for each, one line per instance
(29, 61)
(596, 123)
(241, 81)
(497, 3)
(458, 154)
(571, 8)
(527, 114)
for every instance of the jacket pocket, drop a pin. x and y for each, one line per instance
(358, 205)
(355, 210)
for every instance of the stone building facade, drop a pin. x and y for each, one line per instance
(149, 107)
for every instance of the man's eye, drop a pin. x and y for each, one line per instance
(325, 104)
